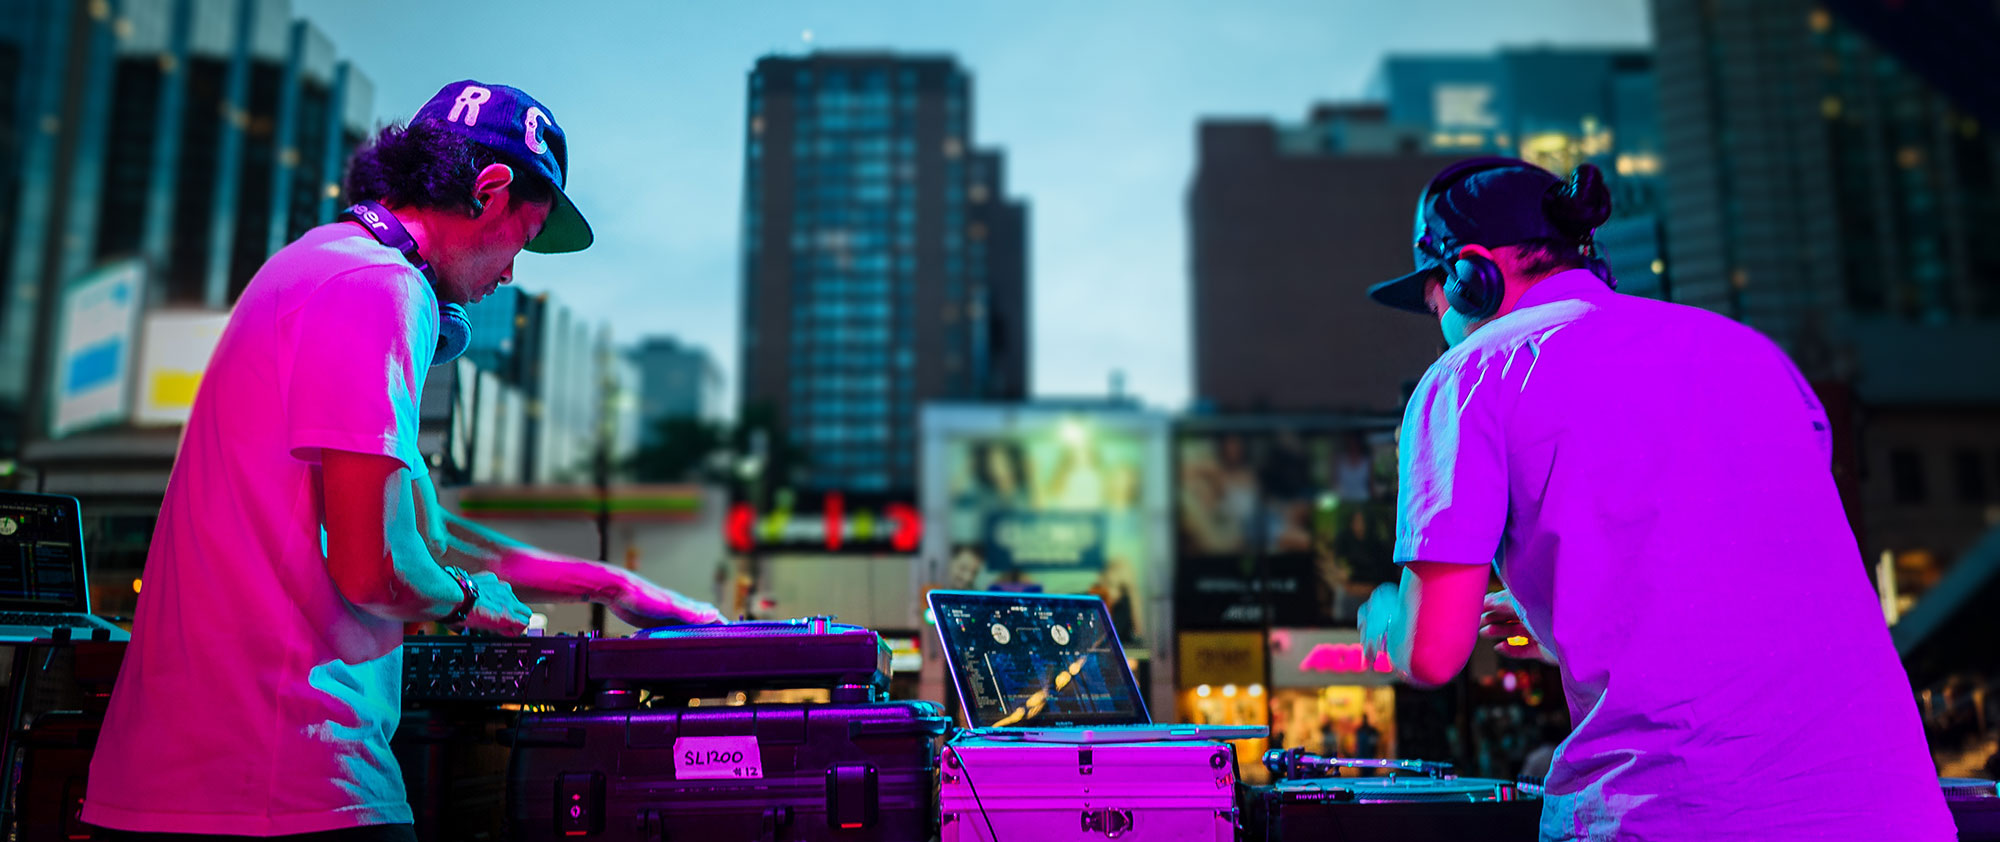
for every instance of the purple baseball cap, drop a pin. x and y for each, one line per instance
(524, 133)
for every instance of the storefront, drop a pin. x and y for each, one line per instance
(1220, 676)
(1327, 698)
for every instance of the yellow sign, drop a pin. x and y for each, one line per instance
(1221, 658)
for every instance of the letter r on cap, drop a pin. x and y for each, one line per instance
(469, 99)
(535, 120)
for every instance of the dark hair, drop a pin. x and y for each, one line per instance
(424, 165)
(1576, 207)
(1538, 258)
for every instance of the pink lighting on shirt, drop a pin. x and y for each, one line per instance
(1343, 657)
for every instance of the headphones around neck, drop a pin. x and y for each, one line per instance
(1474, 286)
(454, 328)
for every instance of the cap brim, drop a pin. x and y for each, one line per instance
(565, 231)
(1405, 293)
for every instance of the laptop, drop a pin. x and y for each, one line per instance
(42, 583)
(1048, 668)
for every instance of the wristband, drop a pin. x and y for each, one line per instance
(471, 590)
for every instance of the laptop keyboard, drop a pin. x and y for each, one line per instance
(36, 618)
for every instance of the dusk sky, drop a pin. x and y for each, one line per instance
(1094, 103)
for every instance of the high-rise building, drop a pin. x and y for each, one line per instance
(882, 260)
(1288, 226)
(1823, 193)
(1554, 107)
(676, 380)
(195, 135)
(188, 138)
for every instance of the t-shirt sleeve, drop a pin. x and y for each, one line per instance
(361, 344)
(1452, 499)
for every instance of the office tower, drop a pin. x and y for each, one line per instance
(882, 260)
(1288, 226)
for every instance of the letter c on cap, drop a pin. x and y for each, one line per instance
(469, 99)
(534, 137)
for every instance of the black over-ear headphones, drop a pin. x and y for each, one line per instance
(454, 328)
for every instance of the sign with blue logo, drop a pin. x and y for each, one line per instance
(98, 319)
(1044, 540)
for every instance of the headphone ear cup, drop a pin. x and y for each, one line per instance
(1472, 285)
(454, 333)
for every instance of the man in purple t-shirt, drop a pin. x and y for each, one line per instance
(1652, 483)
(300, 529)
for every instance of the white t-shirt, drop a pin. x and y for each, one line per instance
(1654, 482)
(254, 698)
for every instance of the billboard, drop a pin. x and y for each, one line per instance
(1053, 503)
(98, 316)
(1058, 499)
(172, 355)
(1293, 518)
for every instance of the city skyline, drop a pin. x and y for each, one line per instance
(1095, 108)
(1097, 111)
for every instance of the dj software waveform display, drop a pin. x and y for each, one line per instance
(1044, 663)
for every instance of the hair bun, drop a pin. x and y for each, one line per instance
(1580, 204)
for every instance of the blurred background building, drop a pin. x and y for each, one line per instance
(1555, 107)
(1290, 223)
(191, 136)
(681, 381)
(157, 152)
(883, 264)
(1829, 182)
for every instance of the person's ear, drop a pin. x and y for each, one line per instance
(1476, 249)
(489, 188)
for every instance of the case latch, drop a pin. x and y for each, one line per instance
(1110, 821)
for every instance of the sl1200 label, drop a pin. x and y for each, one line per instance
(696, 758)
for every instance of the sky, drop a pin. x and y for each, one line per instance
(1095, 103)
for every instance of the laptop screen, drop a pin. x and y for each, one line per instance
(1036, 660)
(41, 553)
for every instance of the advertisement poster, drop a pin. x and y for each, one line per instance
(1055, 503)
(93, 376)
(1296, 520)
(171, 360)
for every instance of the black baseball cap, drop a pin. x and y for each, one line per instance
(1489, 202)
(524, 133)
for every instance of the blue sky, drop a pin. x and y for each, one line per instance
(1094, 101)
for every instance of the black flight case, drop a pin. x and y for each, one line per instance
(746, 773)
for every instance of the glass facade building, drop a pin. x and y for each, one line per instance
(196, 135)
(870, 279)
(1554, 107)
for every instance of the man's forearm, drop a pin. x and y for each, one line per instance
(536, 575)
(408, 584)
(1402, 629)
(421, 590)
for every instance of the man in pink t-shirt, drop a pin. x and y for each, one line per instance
(1653, 484)
(300, 530)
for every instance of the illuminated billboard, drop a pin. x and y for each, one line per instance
(1056, 499)
(1294, 518)
(173, 353)
(96, 321)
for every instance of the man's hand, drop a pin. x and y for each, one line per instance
(497, 610)
(1382, 610)
(1501, 620)
(543, 577)
(644, 604)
